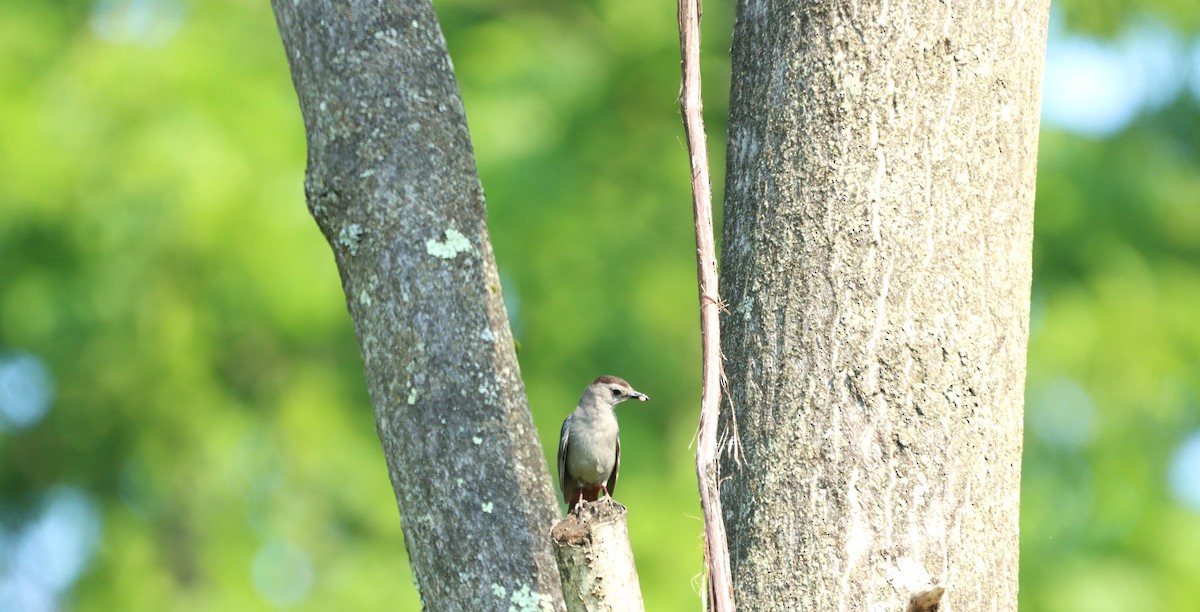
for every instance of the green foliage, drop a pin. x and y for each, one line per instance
(1114, 369)
(157, 256)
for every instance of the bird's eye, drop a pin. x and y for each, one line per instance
(616, 392)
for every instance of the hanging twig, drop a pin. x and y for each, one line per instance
(716, 550)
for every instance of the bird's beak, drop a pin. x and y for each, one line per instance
(641, 397)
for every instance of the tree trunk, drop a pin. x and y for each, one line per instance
(393, 185)
(876, 261)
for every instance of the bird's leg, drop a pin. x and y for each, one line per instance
(578, 502)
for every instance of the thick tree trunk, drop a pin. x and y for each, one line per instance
(876, 260)
(393, 185)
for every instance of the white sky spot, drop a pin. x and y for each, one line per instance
(53, 549)
(1087, 87)
(1183, 478)
(25, 391)
(1061, 413)
(488, 507)
(282, 573)
(42, 557)
(1096, 87)
(1195, 76)
(145, 22)
(512, 303)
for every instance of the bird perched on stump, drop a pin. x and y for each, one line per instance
(589, 446)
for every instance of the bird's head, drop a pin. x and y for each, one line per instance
(611, 390)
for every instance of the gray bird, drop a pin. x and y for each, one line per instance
(589, 446)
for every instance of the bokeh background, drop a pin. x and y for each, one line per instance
(183, 419)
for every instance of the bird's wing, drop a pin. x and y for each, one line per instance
(566, 485)
(612, 478)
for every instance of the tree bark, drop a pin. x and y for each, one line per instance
(393, 186)
(876, 260)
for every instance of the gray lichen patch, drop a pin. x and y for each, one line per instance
(350, 236)
(529, 600)
(746, 307)
(523, 599)
(454, 244)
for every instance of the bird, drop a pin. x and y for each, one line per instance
(589, 445)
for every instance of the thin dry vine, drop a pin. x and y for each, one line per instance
(716, 550)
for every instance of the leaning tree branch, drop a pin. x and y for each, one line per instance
(716, 550)
(392, 184)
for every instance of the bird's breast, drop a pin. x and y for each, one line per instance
(591, 456)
